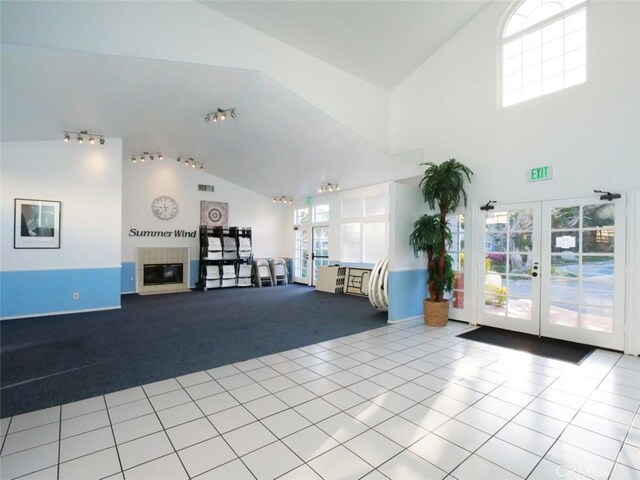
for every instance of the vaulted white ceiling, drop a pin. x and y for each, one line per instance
(378, 41)
(279, 144)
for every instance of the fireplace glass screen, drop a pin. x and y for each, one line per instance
(162, 273)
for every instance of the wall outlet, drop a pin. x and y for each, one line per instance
(76, 296)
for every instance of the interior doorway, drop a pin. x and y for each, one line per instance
(320, 254)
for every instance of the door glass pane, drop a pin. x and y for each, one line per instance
(594, 318)
(496, 222)
(496, 242)
(564, 241)
(519, 308)
(563, 314)
(600, 215)
(496, 262)
(520, 220)
(567, 265)
(598, 241)
(495, 304)
(320, 249)
(520, 263)
(597, 294)
(565, 217)
(301, 253)
(597, 267)
(564, 290)
(520, 242)
(521, 287)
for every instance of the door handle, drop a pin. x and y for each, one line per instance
(534, 274)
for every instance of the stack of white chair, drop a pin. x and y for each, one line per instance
(262, 272)
(279, 272)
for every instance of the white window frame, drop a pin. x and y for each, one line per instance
(362, 220)
(520, 35)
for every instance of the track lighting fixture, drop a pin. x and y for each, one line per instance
(143, 156)
(189, 161)
(81, 134)
(329, 187)
(283, 199)
(220, 114)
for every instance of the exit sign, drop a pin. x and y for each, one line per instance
(540, 173)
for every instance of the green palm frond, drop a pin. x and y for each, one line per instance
(443, 185)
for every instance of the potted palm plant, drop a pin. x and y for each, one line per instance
(442, 187)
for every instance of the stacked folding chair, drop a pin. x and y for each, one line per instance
(262, 272)
(279, 273)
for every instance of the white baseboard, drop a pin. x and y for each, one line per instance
(407, 319)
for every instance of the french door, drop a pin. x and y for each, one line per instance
(301, 256)
(320, 255)
(555, 269)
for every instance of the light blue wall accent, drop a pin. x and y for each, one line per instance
(49, 291)
(128, 277)
(407, 289)
(195, 264)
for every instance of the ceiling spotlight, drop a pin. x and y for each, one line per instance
(202, 168)
(142, 158)
(144, 155)
(329, 187)
(282, 199)
(133, 159)
(193, 165)
(220, 114)
(186, 162)
(178, 159)
(80, 136)
(151, 157)
(160, 157)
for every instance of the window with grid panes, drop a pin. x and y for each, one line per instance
(544, 49)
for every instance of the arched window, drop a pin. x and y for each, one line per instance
(544, 49)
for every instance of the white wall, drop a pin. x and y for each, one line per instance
(407, 205)
(589, 133)
(187, 31)
(87, 180)
(142, 182)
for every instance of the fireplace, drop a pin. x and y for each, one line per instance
(162, 270)
(162, 274)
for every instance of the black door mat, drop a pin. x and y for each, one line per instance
(541, 346)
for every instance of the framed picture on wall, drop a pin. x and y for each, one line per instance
(36, 223)
(214, 214)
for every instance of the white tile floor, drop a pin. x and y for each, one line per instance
(400, 402)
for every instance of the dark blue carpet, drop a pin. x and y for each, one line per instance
(63, 358)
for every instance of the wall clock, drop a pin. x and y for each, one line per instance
(164, 207)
